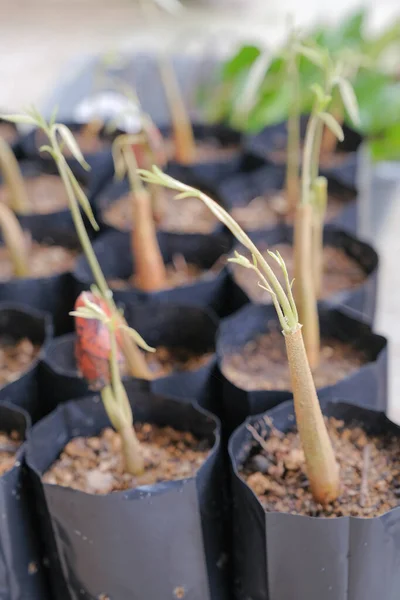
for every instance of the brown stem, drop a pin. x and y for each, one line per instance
(15, 242)
(322, 468)
(135, 359)
(185, 145)
(92, 129)
(304, 287)
(149, 265)
(134, 463)
(14, 181)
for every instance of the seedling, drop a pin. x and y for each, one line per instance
(58, 135)
(184, 141)
(14, 241)
(322, 468)
(99, 359)
(13, 179)
(149, 265)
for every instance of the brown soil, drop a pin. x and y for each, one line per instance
(88, 143)
(167, 360)
(340, 273)
(15, 358)
(179, 273)
(9, 445)
(208, 150)
(277, 474)
(95, 464)
(262, 363)
(181, 216)
(8, 132)
(44, 261)
(46, 194)
(268, 210)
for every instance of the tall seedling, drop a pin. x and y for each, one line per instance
(104, 373)
(58, 135)
(149, 265)
(13, 179)
(322, 468)
(310, 212)
(184, 141)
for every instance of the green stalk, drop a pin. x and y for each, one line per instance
(293, 143)
(14, 181)
(14, 241)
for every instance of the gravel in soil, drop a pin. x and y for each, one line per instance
(9, 445)
(46, 194)
(179, 216)
(95, 464)
(44, 261)
(262, 363)
(15, 358)
(341, 272)
(369, 471)
(268, 210)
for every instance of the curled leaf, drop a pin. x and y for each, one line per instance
(72, 144)
(332, 124)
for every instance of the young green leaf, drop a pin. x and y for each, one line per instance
(332, 124)
(19, 119)
(349, 99)
(70, 141)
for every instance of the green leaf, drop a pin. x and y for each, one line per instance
(314, 55)
(72, 144)
(19, 119)
(240, 62)
(349, 99)
(387, 145)
(332, 124)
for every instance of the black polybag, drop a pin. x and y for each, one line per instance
(167, 325)
(367, 386)
(361, 299)
(22, 576)
(274, 138)
(243, 186)
(53, 294)
(113, 250)
(18, 322)
(281, 556)
(149, 542)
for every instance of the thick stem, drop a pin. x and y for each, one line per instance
(15, 242)
(185, 145)
(134, 462)
(293, 143)
(308, 158)
(320, 190)
(322, 468)
(149, 265)
(304, 287)
(14, 181)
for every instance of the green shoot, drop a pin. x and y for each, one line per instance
(13, 179)
(14, 241)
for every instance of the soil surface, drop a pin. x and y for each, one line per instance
(369, 469)
(207, 150)
(179, 273)
(328, 160)
(8, 132)
(95, 464)
(46, 194)
(44, 261)
(9, 445)
(15, 358)
(262, 363)
(341, 272)
(179, 216)
(167, 360)
(269, 210)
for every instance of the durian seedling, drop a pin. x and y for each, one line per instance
(103, 370)
(321, 465)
